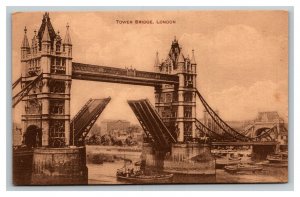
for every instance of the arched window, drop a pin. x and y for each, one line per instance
(57, 46)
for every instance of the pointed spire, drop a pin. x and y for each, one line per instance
(193, 60)
(175, 40)
(46, 16)
(46, 24)
(25, 43)
(34, 39)
(68, 37)
(156, 62)
(46, 35)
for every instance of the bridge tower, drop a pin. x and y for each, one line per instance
(46, 119)
(47, 68)
(177, 104)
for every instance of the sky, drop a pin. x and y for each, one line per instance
(242, 56)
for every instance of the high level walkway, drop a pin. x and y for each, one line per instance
(120, 75)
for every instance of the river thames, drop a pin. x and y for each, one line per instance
(106, 173)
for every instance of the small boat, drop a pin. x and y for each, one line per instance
(224, 161)
(140, 178)
(234, 158)
(243, 168)
(136, 175)
(280, 158)
(218, 155)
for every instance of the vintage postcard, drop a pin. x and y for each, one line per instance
(150, 97)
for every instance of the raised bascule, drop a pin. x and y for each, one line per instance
(176, 141)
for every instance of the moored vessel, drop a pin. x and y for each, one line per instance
(140, 178)
(243, 168)
(136, 174)
(281, 157)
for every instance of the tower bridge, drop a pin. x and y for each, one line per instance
(173, 131)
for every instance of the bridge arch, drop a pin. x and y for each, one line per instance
(33, 136)
(260, 131)
(267, 133)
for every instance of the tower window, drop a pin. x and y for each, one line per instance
(58, 46)
(168, 98)
(175, 96)
(57, 107)
(187, 111)
(188, 81)
(57, 61)
(57, 133)
(187, 131)
(57, 86)
(188, 96)
(57, 68)
(52, 61)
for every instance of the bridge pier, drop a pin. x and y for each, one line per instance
(51, 166)
(153, 159)
(189, 162)
(22, 167)
(260, 152)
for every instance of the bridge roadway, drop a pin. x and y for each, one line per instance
(119, 75)
(249, 143)
(84, 120)
(152, 124)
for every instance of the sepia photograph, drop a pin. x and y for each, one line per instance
(149, 97)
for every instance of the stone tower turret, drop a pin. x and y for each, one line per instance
(177, 104)
(156, 63)
(46, 120)
(25, 51)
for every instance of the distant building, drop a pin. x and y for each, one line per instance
(136, 132)
(110, 127)
(95, 130)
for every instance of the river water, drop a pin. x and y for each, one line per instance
(106, 174)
